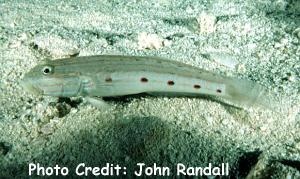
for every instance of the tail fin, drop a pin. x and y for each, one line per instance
(248, 93)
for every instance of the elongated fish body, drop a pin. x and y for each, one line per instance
(112, 75)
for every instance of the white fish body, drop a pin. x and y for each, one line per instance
(112, 75)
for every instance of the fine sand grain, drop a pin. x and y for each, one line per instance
(258, 39)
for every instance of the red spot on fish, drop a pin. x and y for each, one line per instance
(108, 79)
(171, 83)
(197, 86)
(144, 80)
(219, 91)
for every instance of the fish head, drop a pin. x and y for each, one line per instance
(51, 80)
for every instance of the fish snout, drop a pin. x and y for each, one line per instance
(29, 87)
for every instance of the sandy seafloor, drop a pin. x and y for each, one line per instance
(258, 39)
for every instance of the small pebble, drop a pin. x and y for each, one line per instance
(57, 46)
(14, 44)
(149, 41)
(207, 23)
(23, 37)
(47, 129)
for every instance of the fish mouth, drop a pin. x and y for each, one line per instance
(27, 86)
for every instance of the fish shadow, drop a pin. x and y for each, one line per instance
(127, 141)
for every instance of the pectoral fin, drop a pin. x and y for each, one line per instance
(97, 102)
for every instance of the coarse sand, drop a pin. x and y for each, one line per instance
(255, 40)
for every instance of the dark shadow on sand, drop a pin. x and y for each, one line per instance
(128, 141)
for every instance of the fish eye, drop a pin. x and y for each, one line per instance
(47, 70)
